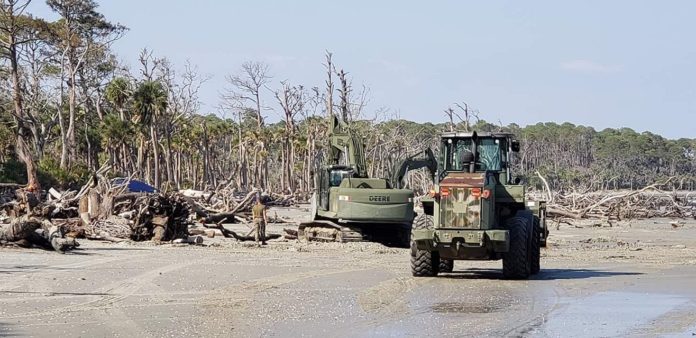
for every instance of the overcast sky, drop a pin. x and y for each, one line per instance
(598, 63)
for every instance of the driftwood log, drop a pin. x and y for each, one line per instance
(242, 238)
(28, 231)
(291, 233)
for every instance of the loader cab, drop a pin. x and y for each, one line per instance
(477, 153)
(475, 186)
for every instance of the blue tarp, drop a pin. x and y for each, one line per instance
(134, 185)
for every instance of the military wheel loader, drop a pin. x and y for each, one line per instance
(478, 210)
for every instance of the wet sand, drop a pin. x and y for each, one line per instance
(632, 279)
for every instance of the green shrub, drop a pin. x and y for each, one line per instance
(51, 175)
(13, 171)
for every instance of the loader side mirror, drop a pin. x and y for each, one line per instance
(515, 146)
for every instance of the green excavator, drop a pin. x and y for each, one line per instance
(349, 206)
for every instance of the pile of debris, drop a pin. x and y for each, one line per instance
(105, 209)
(214, 208)
(99, 210)
(649, 202)
(230, 206)
(140, 217)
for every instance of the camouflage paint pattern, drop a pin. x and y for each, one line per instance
(460, 208)
(460, 200)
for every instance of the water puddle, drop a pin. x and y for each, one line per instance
(608, 314)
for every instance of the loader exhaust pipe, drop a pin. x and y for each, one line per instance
(474, 146)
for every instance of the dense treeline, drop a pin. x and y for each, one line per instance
(67, 107)
(581, 158)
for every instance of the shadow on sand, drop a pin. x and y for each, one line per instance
(544, 274)
(30, 268)
(115, 249)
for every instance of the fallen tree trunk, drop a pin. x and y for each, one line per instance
(189, 240)
(231, 234)
(246, 201)
(27, 231)
(558, 212)
(105, 236)
(291, 233)
(22, 228)
(227, 217)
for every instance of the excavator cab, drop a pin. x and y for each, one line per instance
(338, 174)
(331, 177)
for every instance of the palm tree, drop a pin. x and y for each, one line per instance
(115, 134)
(118, 92)
(150, 100)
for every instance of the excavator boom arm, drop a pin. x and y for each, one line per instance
(425, 159)
(345, 145)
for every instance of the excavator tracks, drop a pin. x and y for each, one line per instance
(326, 231)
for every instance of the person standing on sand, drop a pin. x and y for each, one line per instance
(260, 220)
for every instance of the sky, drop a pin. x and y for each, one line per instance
(605, 64)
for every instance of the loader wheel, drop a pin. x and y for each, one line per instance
(423, 263)
(516, 262)
(535, 264)
(446, 265)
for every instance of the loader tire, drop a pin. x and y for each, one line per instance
(446, 265)
(516, 262)
(423, 263)
(535, 264)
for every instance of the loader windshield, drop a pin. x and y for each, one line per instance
(489, 154)
(456, 152)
